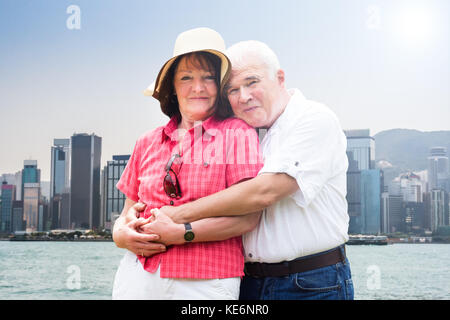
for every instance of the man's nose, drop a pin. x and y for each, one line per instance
(244, 95)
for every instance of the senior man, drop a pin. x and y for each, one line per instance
(297, 250)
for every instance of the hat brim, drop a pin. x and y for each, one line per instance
(154, 88)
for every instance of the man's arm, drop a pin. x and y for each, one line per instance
(240, 199)
(126, 235)
(209, 229)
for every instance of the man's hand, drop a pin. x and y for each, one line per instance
(127, 236)
(169, 232)
(174, 214)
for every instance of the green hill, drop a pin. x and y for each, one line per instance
(409, 149)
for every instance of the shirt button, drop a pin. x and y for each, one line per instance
(205, 164)
(171, 203)
(250, 255)
(297, 163)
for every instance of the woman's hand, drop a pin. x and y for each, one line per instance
(127, 236)
(126, 232)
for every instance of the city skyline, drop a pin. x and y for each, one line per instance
(377, 64)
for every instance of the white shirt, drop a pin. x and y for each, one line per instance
(307, 143)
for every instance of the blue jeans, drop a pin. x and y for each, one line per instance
(328, 283)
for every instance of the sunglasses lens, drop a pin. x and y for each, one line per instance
(169, 187)
(172, 189)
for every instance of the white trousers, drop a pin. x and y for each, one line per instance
(132, 282)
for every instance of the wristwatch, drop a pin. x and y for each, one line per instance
(188, 234)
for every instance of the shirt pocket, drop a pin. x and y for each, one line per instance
(202, 179)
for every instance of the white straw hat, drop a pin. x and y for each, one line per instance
(194, 40)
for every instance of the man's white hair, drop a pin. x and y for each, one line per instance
(245, 53)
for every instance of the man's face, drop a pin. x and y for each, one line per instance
(253, 93)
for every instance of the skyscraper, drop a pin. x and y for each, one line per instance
(30, 173)
(112, 199)
(371, 201)
(362, 147)
(60, 184)
(85, 181)
(439, 208)
(8, 196)
(363, 183)
(60, 167)
(31, 196)
(438, 169)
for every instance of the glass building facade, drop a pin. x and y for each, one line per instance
(362, 147)
(60, 184)
(370, 203)
(112, 199)
(85, 181)
(7, 199)
(31, 196)
(30, 173)
(363, 184)
(438, 169)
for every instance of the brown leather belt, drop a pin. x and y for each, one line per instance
(302, 264)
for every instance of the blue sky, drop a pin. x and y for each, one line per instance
(377, 64)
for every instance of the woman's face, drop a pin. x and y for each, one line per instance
(196, 90)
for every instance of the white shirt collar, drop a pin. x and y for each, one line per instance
(297, 98)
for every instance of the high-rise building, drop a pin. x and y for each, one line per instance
(438, 208)
(18, 223)
(85, 181)
(414, 216)
(408, 185)
(60, 167)
(396, 220)
(364, 184)
(8, 196)
(112, 199)
(30, 173)
(14, 179)
(31, 197)
(438, 169)
(384, 210)
(362, 147)
(353, 195)
(60, 184)
(371, 201)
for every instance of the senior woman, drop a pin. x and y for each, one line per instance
(197, 153)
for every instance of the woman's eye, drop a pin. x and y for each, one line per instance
(185, 78)
(210, 77)
(252, 83)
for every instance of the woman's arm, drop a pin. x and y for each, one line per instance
(126, 235)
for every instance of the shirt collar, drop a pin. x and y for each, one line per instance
(170, 129)
(297, 98)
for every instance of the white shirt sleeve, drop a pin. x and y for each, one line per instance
(308, 151)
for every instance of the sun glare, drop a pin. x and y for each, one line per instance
(414, 25)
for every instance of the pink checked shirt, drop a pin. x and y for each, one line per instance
(220, 154)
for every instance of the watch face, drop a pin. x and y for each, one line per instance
(189, 236)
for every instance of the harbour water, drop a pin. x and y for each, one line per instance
(85, 270)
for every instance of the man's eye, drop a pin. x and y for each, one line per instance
(252, 83)
(232, 91)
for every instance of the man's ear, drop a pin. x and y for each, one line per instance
(280, 77)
